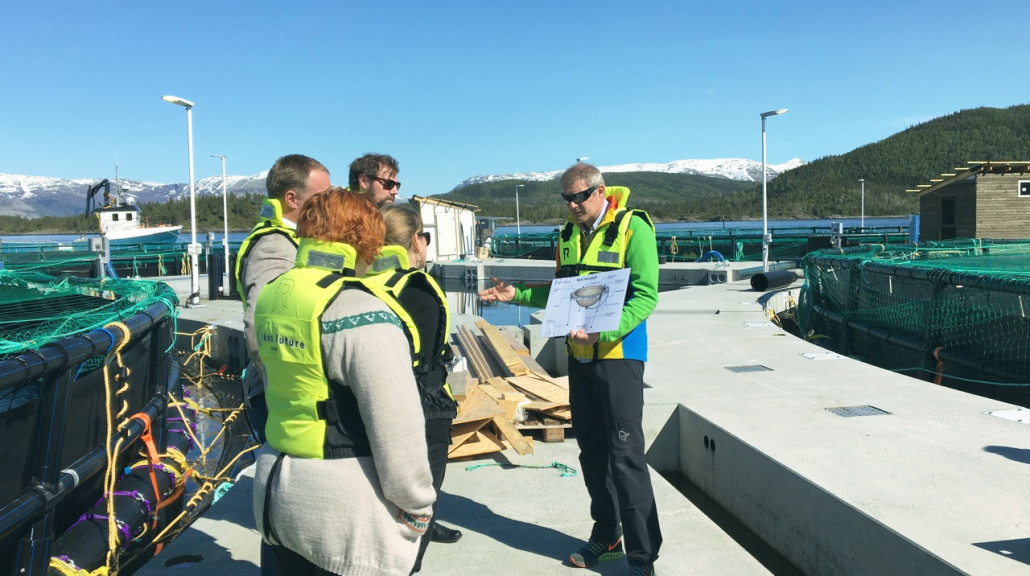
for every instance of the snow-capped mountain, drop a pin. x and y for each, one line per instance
(36, 196)
(732, 168)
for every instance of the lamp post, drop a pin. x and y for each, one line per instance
(580, 160)
(518, 221)
(862, 225)
(225, 238)
(194, 297)
(766, 238)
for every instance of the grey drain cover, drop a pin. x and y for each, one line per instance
(750, 368)
(850, 411)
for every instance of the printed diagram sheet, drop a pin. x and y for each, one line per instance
(592, 303)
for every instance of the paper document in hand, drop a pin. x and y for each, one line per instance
(591, 303)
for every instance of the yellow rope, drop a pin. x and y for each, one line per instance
(179, 467)
(67, 569)
(189, 430)
(206, 484)
(177, 474)
(225, 425)
(110, 474)
(205, 489)
(201, 349)
(179, 459)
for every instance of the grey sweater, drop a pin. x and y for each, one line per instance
(269, 257)
(352, 516)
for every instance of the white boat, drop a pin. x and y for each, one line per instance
(120, 220)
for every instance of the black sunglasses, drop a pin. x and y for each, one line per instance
(387, 183)
(426, 236)
(578, 197)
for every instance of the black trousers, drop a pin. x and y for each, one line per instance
(289, 562)
(607, 401)
(257, 415)
(438, 440)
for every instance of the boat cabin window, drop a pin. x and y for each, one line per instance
(114, 217)
(128, 217)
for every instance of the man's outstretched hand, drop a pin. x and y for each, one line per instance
(500, 292)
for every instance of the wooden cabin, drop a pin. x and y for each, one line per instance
(982, 200)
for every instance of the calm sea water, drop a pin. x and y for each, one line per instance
(892, 222)
(509, 314)
(236, 237)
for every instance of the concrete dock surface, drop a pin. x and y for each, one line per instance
(768, 455)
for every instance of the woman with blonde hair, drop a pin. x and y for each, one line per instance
(400, 263)
(343, 485)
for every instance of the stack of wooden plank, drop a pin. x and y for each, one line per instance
(503, 392)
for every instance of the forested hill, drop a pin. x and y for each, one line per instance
(829, 186)
(656, 192)
(824, 188)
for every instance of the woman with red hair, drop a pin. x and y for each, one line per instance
(343, 484)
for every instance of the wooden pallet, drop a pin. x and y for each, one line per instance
(549, 432)
(504, 394)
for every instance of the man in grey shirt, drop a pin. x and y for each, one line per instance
(267, 252)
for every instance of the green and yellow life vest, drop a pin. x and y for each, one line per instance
(429, 350)
(606, 248)
(271, 222)
(308, 415)
(603, 251)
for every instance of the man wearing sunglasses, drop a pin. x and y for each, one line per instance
(375, 175)
(606, 369)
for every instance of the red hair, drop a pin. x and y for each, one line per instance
(339, 215)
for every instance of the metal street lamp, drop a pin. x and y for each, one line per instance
(518, 221)
(766, 238)
(862, 225)
(194, 250)
(580, 160)
(225, 238)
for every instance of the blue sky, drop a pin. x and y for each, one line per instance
(455, 89)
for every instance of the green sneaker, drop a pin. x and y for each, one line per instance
(595, 552)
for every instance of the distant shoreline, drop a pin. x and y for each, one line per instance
(509, 227)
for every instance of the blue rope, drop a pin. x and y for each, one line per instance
(221, 491)
(113, 339)
(566, 471)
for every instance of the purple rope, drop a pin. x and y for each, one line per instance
(159, 467)
(122, 526)
(69, 562)
(137, 496)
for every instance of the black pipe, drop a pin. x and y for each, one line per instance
(56, 357)
(926, 348)
(39, 499)
(883, 334)
(772, 279)
(135, 506)
(938, 276)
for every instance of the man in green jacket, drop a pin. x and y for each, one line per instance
(606, 369)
